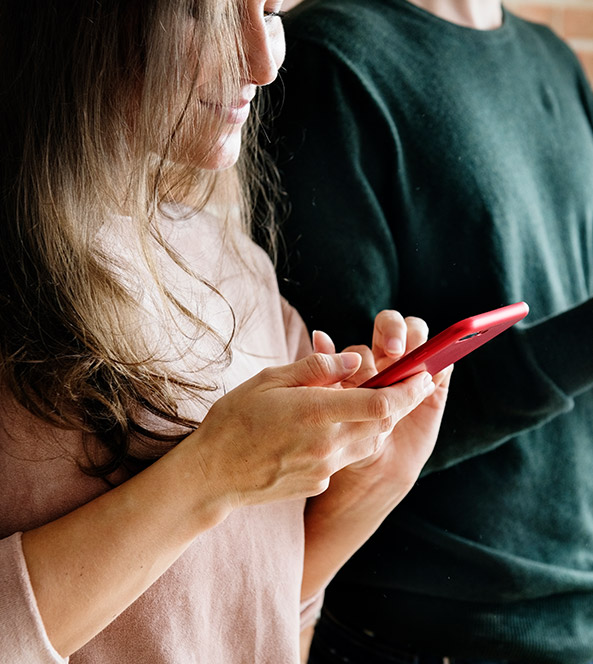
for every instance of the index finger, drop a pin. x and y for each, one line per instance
(417, 332)
(364, 405)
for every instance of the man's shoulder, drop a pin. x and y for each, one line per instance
(338, 25)
(538, 35)
(527, 26)
(367, 37)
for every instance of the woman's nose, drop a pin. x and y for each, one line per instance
(264, 52)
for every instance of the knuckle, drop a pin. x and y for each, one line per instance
(377, 443)
(364, 374)
(391, 314)
(319, 487)
(379, 406)
(315, 414)
(369, 446)
(322, 451)
(266, 375)
(319, 365)
(387, 424)
(321, 446)
(321, 471)
(411, 395)
(391, 318)
(357, 348)
(418, 324)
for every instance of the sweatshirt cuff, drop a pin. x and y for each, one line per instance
(21, 629)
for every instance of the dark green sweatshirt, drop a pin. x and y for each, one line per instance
(445, 171)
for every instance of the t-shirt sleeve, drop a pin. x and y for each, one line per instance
(23, 639)
(311, 609)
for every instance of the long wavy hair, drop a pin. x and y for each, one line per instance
(96, 99)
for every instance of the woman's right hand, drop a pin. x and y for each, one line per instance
(284, 432)
(279, 435)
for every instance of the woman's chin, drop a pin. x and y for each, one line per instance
(225, 154)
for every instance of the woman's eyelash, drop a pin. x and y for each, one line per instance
(279, 14)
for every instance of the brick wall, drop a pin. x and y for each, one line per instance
(571, 19)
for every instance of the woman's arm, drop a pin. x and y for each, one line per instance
(360, 496)
(267, 440)
(90, 565)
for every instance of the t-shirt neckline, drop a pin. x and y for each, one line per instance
(461, 31)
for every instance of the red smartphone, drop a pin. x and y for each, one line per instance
(450, 345)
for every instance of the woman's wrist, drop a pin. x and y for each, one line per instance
(205, 490)
(364, 488)
(114, 547)
(339, 521)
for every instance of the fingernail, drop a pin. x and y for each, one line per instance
(321, 333)
(350, 360)
(321, 338)
(394, 346)
(314, 339)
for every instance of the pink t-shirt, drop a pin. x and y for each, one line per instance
(234, 596)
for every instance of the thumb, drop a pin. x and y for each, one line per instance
(320, 369)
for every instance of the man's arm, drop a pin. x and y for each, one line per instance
(519, 381)
(339, 266)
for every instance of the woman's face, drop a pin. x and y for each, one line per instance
(263, 36)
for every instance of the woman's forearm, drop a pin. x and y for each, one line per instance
(339, 521)
(268, 440)
(90, 565)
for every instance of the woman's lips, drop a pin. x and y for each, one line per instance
(235, 114)
(238, 113)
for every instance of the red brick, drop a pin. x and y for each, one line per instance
(586, 59)
(549, 15)
(578, 23)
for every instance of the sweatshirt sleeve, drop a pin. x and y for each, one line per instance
(563, 347)
(338, 254)
(517, 382)
(23, 639)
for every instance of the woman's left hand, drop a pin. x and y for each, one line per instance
(361, 495)
(403, 452)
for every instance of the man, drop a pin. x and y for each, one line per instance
(438, 159)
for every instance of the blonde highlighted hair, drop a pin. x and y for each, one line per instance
(96, 99)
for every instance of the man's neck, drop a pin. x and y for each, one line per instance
(477, 14)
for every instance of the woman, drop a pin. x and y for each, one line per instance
(159, 432)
